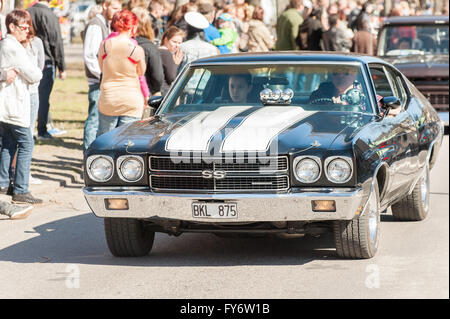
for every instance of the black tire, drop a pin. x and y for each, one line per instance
(358, 238)
(415, 206)
(128, 237)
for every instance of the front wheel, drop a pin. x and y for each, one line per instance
(415, 206)
(128, 237)
(358, 238)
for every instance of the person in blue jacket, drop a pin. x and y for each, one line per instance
(211, 32)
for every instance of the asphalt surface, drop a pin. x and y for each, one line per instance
(60, 251)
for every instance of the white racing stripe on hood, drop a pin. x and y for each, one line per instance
(197, 133)
(258, 130)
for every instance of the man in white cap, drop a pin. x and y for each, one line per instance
(196, 46)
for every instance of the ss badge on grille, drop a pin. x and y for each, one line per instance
(214, 174)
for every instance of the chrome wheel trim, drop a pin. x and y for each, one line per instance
(424, 190)
(374, 221)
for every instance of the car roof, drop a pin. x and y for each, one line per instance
(276, 57)
(416, 20)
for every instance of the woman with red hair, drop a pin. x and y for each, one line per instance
(122, 62)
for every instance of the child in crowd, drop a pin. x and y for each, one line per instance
(228, 35)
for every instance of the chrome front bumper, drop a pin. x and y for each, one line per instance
(294, 206)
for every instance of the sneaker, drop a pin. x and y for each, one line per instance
(19, 211)
(34, 181)
(6, 190)
(56, 131)
(26, 198)
(45, 136)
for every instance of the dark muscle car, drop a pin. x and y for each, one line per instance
(418, 47)
(279, 143)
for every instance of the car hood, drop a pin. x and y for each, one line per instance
(421, 65)
(269, 130)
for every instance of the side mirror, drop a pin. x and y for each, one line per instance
(153, 103)
(390, 103)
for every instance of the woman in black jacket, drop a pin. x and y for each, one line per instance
(144, 36)
(310, 32)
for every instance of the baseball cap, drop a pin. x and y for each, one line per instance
(196, 20)
(226, 17)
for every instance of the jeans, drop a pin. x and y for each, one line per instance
(108, 123)
(20, 139)
(91, 124)
(45, 88)
(34, 107)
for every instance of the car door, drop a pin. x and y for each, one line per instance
(399, 147)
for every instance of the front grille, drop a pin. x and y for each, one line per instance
(177, 164)
(240, 164)
(241, 174)
(231, 184)
(436, 80)
(181, 183)
(438, 100)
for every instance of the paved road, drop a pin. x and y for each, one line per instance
(60, 252)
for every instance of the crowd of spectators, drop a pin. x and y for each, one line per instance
(133, 51)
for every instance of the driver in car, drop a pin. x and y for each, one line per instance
(330, 92)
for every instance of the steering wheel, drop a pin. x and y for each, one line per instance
(323, 100)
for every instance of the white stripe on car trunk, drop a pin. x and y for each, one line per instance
(197, 133)
(259, 129)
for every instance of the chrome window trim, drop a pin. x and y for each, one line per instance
(298, 159)
(274, 63)
(328, 160)
(89, 161)
(360, 64)
(122, 159)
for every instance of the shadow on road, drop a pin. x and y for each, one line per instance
(80, 240)
(66, 171)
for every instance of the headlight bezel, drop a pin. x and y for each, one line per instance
(122, 159)
(330, 159)
(298, 159)
(91, 160)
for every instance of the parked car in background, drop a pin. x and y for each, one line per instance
(79, 16)
(419, 48)
(269, 144)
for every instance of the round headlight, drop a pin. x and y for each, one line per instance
(307, 170)
(131, 168)
(339, 171)
(101, 168)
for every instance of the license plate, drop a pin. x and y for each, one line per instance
(214, 210)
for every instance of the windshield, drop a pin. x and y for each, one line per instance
(316, 87)
(414, 40)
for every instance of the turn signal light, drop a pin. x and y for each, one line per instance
(323, 205)
(116, 203)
